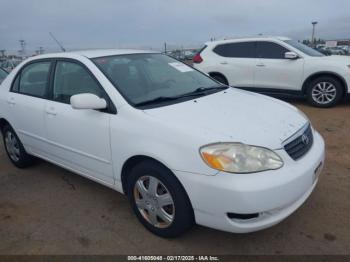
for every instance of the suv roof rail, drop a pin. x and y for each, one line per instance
(249, 37)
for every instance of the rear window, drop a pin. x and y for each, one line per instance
(238, 50)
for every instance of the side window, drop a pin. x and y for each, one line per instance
(15, 85)
(3, 75)
(72, 79)
(237, 50)
(34, 80)
(270, 50)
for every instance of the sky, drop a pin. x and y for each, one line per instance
(84, 24)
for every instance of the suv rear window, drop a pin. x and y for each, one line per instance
(238, 50)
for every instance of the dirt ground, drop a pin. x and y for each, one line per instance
(47, 210)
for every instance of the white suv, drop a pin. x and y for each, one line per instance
(277, 65)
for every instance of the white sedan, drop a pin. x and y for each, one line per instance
(184, 148)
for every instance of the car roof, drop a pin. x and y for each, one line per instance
(93, 53)
(259, 38)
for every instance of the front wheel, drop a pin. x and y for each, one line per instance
(324, 92)
(159, 200)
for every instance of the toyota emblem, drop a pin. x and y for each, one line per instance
(305, 139)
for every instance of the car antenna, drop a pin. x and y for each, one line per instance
(58, 43)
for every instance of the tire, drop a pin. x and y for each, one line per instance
(14, 148)
(220, 78)
(173, 218)
(324, 92)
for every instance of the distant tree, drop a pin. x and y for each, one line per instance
(306, 42)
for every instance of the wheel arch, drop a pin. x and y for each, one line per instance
(132, 162)
(322, 74)
(213, 73)
(3, 122)
(135, 160)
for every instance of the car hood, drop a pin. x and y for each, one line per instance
(334, 58)
(234, 116)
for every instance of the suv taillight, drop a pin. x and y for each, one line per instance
(197, 59)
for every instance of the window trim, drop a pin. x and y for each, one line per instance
(238, 42)
(111, 109)
(19, 74)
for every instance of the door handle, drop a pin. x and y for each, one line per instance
(51, 111)
(260, 65)
(11, 101)
(224, 63)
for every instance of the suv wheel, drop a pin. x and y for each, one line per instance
(159, 200)
(220, 78)
(324, 92)
(15, 149)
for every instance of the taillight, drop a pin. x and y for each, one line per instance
(197, 59)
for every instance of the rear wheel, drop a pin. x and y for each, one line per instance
(220, 78)
(159, 200)
(324, 92)
(15, 149)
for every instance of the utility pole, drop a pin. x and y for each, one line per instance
(313, 33)
(23, 47)
(39, 51)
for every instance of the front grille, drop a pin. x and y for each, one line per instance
(300, 145)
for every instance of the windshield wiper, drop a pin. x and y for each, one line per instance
(159, 99)
(220, 87)
(201, 91)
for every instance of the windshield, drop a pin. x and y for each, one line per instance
(150, 77)
(3, 75)
(303, 48)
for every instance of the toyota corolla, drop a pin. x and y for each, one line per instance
(184, 148)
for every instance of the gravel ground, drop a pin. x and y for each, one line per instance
(47, 210)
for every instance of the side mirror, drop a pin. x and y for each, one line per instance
(290, 55)
(87, 101)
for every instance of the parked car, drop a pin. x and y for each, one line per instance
(336, 51)
(9, 64)
(177, 54)
(181, 146)
(3, 75)
(189, 54)
(324, 51)
(277, 65)
(345, 48)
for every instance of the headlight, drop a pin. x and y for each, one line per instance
(240, 158)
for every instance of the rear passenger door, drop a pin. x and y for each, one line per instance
(274, 71)
(26, 102)
(78, 139)
(237, 62)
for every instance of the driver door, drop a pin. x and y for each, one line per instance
(78, 139)
(274, 71)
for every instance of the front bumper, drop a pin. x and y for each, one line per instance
(273, 194)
